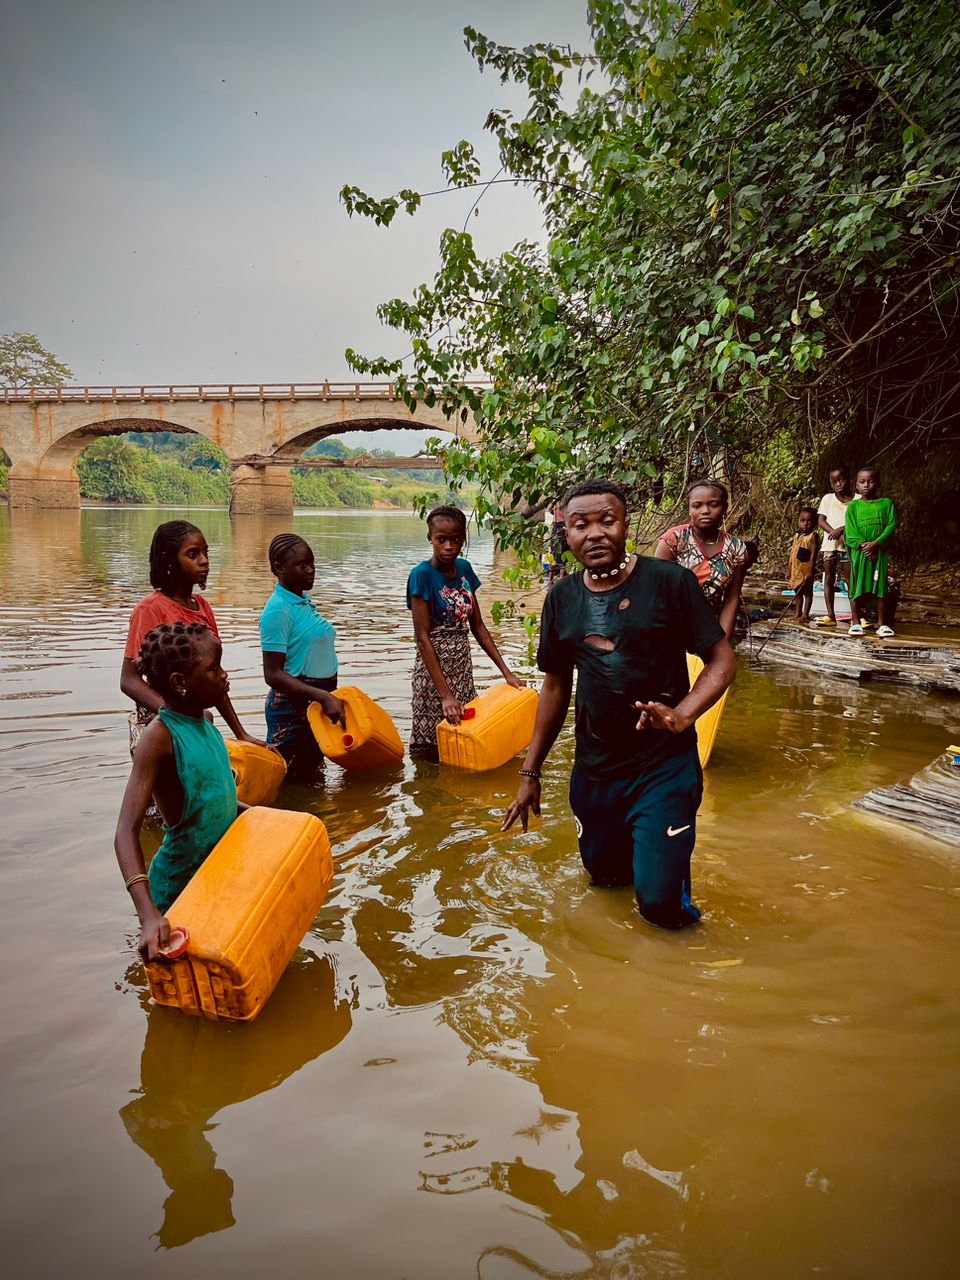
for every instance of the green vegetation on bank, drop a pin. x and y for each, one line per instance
(171, 468)
(750, 265)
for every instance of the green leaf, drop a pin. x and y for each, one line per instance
(620, 326)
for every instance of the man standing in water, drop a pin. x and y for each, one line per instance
(626, 624)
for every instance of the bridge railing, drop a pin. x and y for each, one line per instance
(210, 391)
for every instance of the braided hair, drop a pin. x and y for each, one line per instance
(448, 513)
(167, 540)
(281, 546)
(717, 486)
(170, 647)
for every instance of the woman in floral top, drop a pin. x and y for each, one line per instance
(717, 559)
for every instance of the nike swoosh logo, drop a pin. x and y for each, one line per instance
(675, 831)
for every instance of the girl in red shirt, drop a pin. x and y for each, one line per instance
(179, 561)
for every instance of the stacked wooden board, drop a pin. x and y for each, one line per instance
(929, 801)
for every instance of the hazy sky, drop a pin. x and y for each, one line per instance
(169, 203)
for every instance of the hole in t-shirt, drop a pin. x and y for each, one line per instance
(624, 604)
(603, 643)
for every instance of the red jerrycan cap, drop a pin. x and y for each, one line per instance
(177, 944)
(348, 739)
(469, 713)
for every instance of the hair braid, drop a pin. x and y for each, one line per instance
(170, 647)
(448, 513)
(281, 546)
(716, 485)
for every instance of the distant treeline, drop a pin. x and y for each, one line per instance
(172, 468)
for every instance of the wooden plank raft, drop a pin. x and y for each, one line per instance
(930, 800)
(931, 665)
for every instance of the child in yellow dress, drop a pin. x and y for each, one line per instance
(803, 563)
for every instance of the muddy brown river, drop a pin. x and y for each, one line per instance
(476, 1067)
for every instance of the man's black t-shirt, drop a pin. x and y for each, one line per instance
(652, 620)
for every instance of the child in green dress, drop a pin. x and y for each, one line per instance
(870, 524)
(183, 761)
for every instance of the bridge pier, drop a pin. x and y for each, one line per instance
(261, 491)
(53, 487)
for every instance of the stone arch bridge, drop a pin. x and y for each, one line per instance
(263, 429)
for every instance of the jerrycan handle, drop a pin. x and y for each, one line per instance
(469, 713)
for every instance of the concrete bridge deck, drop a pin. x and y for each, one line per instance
(262, 427)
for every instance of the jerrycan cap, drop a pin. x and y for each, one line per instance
(469, 713)
(348, 740)
(176, 944)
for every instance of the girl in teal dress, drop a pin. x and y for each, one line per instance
(182, 760)
(871, 523)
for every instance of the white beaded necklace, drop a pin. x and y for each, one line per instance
(611, 573)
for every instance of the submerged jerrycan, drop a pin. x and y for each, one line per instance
(368, 741)
(244, 914)
(709, 722)
(258, 771)
(495, 727)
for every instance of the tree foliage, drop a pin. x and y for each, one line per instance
(751, 234)
(25, 363)
(114, 470)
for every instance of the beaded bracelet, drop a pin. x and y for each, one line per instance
(141, 875)
(530, 773)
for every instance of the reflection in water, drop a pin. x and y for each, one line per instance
(191, 1069)
(533, 1082)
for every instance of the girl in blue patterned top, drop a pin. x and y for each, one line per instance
(299, 658)
(441, 595)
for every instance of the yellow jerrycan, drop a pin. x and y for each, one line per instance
(368, 741)
(709, 722)
(258, 771)
(243, 915)
(496, 726)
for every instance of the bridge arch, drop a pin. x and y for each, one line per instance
(50, 479)
(268, 490)
(297, 445)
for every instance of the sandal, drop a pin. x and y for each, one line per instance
(884, 633)
(825, 622)
(855, 628)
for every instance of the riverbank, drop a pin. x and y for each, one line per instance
(919, 603)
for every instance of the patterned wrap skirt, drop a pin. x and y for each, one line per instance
(289, 730)
(137, 721)
(452, 647)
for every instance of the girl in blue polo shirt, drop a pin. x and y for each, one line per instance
(299, 658)
(441, 595)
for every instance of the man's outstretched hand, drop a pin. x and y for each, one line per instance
(528, 797)
(657, 715)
